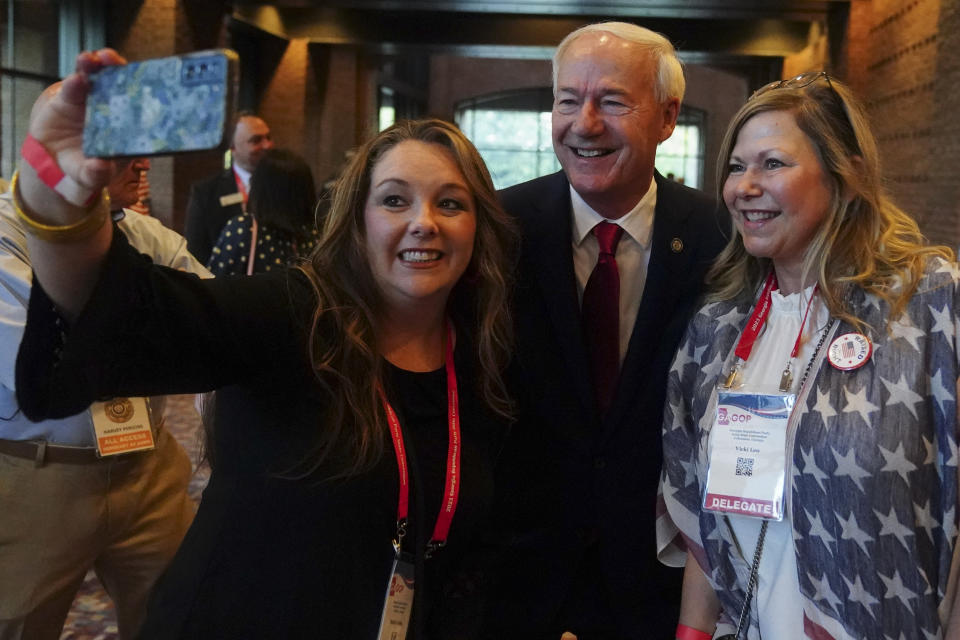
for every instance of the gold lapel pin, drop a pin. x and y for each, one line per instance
(676, 245)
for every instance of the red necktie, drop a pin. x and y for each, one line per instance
(600, 313)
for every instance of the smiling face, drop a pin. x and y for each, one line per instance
(251, 139)
(607, 121)
(778, 192)
(125, 186)
(420, 222)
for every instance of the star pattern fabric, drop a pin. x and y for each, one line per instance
(872, 483)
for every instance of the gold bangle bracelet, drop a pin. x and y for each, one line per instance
(97, 214)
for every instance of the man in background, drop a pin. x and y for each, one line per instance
(220, 197)
(613, 259)
(143, 203)
(64, 507)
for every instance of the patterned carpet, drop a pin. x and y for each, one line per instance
(92, 616)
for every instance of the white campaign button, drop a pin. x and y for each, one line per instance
(849, 351)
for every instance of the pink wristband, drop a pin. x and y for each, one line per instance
(689, 633)
(53, 176)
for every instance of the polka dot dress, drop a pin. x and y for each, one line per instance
(275, 248)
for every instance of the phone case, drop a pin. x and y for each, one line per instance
(161, 106)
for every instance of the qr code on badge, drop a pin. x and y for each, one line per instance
(745, 467)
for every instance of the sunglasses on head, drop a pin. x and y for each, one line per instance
(796, 82)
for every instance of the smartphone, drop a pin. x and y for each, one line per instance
(161, 106)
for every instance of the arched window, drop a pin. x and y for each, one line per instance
(511, 131)
(681, 155)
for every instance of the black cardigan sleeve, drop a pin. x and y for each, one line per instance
(150, 330)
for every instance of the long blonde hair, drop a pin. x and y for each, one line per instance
(865, 240)
(343, 344)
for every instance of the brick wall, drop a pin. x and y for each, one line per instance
(902, 58)
(720, 94)
(344, 108)
(942, 219)
(155, 28)
(283, 102)
(455, 78)
(140, 31)
(319, 100)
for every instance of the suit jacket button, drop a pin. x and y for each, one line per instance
(599, 462)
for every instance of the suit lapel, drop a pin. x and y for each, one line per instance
(228, 183)
(660, 292)
(222, 214)
(551, 259)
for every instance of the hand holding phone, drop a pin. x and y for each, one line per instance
(161, 106)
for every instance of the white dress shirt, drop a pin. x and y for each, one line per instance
(146, 234)
(244, 176)
(633, 253)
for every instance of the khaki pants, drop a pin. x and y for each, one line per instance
(124, 517)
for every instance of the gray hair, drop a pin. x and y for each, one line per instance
(670, 81)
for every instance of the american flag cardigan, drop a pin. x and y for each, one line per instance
(872, 490)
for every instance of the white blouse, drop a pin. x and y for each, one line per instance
(778, 587)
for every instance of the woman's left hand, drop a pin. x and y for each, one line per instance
(57, 122)
(68, 270)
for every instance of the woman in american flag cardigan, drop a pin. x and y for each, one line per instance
(868, 544)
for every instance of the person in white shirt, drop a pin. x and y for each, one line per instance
(65, 509)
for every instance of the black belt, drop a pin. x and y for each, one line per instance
(42, 452)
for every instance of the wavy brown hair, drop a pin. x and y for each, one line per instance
(865, 240)
(343, 340)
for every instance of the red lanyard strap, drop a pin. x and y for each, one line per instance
(242, 189)
(253, 245)
(803, 323)
(759, 317)
(451, 488)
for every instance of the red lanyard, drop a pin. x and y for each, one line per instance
(240, 187)
(755, 324)
(253, 245)
(451, 488)
(757, 319)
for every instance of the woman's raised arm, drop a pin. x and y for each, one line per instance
(68, 229)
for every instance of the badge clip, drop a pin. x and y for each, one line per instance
(433, 546)
(401, 533)
(786, 379)
(733, 378)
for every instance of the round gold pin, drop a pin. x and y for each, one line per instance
(676, 245)
(119, 409)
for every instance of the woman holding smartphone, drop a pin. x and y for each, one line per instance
(360, 396)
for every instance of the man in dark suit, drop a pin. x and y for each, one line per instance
(578, 475)
(220, 197)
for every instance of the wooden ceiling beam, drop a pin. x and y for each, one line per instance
(806, 10)
(499, 35)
